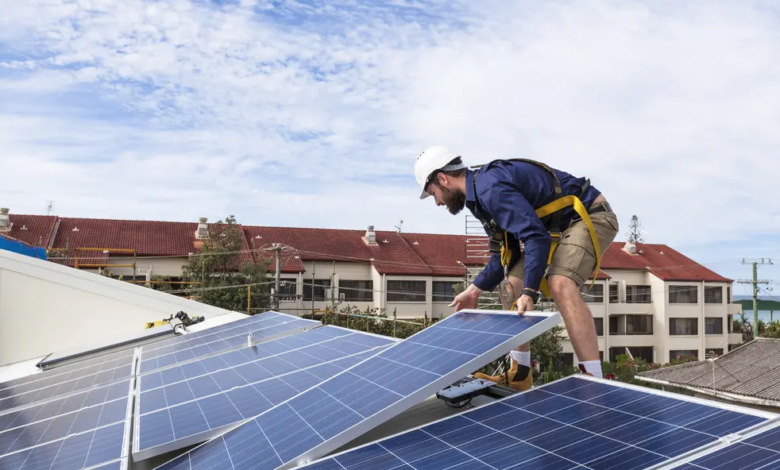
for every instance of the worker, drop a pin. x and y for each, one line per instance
(512, 199)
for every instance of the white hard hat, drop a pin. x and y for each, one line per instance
(430, 160)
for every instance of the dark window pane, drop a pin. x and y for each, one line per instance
(599, 326)
(595, 295)
(713, 295)
(713, 326)
(683, 326)
(442, 291)
(614, 293)
(638, 295)
(683, 294)
(356, 291)
(320, 285)
(406, 291)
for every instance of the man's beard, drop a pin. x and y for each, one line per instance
(455, 200)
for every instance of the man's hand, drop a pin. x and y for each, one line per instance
(525, 304)
(467, 299)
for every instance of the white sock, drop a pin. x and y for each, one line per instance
(593, 367)
(523, 358)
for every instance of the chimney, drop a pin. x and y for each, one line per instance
(370, 236)
(630, 248)
(5, 220)
(203, 229)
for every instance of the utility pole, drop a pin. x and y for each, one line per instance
(278, 277)
(755, 282)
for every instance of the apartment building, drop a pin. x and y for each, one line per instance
(657, 304)
(649, 300)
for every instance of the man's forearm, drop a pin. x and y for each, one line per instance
(536, 253)
(491, 276)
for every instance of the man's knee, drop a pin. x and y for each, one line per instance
(563, 287)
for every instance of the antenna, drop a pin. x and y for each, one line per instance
(49, 207)
(400, 225)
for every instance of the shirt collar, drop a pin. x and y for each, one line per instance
(470, 196)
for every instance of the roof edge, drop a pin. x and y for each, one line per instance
(714, 393)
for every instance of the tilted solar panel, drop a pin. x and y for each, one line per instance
(576, 422)
(323, 418)
(194, 404)
(93, 437)
(271, 328)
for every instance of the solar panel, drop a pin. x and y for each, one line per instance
(92, 437)
(176, 411)
(30, 393)
(107, 345)
(69, 372)
(345, 406)
(28, 431)
(576, 422)
(759, 449)
(273, 327)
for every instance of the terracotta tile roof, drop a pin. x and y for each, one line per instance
(146, 237)
(750, 370)
(35, 230)
(662, 261)
(432, 254)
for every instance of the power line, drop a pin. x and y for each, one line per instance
(755, 282)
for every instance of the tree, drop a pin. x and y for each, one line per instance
(635, 230)
(225, 270)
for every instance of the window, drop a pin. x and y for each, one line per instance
(728, 295)
(643, 352)
(562, 361)
(638, 295)
(674, 355)
(683, 294)
(442, 291)
(319, 287)
(406, 291)
(599, 322)
(713, 326)
(357, 291)
(639, 324)
(614, 293)
(595, 295)
(287, 287)
(713, 295)
(613, 325)
(683, 326)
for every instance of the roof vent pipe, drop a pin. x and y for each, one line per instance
(5, 220)
(203, 229)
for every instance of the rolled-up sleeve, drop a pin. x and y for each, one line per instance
(512, 212)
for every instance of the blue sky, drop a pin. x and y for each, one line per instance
(311, 113)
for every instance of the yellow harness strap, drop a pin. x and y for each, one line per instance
(582, 211)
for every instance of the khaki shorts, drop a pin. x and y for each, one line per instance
(575, 256)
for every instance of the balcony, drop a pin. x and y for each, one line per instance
(735, 338)
(625, 308)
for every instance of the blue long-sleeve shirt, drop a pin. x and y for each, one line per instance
(509, 192)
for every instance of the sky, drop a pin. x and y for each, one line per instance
(312, 113)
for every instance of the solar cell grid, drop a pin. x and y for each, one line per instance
(572, 423)
(65, 388)
(343, 407)
(262, 331)
(191, 411)
(761, 451)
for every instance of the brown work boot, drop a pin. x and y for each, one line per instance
(506, 379)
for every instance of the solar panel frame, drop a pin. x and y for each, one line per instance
(675, 462)
(544, 321)
(142, 454)
(301, 325)
(130, 342)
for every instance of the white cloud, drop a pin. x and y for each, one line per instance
(176, 109)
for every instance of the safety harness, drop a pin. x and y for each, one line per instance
(499, 238)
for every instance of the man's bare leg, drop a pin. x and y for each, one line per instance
(577, 318)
